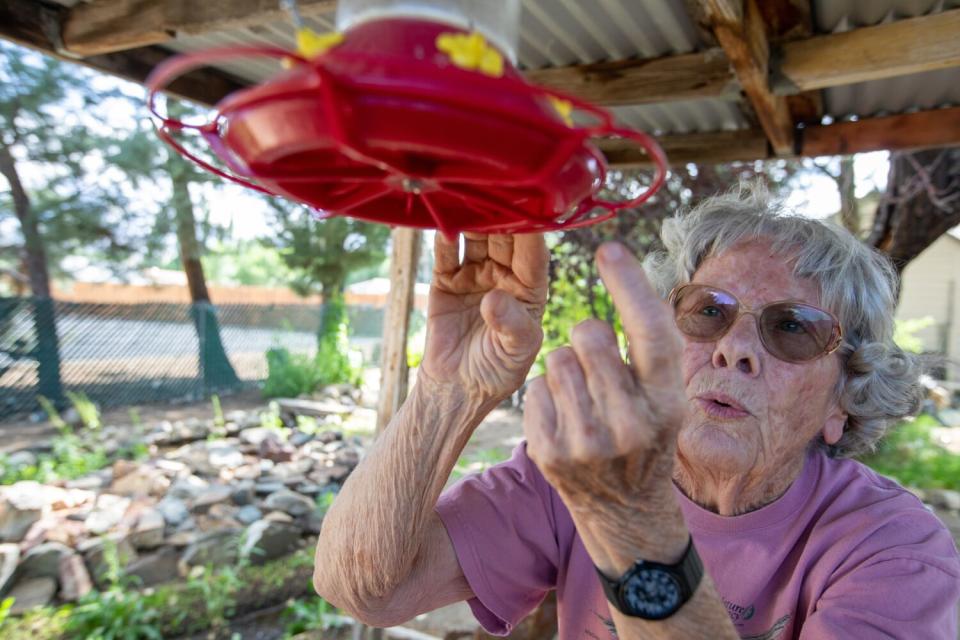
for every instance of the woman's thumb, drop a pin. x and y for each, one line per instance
(514, 325)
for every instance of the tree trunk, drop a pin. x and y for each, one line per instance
(35, 259)
(332, 310)
(849, 208)
(215, 367)
(921, 203)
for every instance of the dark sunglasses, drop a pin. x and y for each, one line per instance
(791, 331)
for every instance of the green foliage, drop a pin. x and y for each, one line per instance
(118, 613)
(247, 263)
(217, 590)
(5, 605)
(308, 614)
(180, 609)
(135, 420)
(416, 345)
(905, 333)
(478, 462)
(218, 418)
(72, 455)
(576, 291)
(52, 414)
(59, 148)
(322, 254)
(325, 500)
(335, 365)
(70, 458)
(911, 454)
(86, 409)
(308, 425)
(292, 374)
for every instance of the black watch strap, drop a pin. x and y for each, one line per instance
(688, 573)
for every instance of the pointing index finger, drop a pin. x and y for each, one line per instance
(647, 320)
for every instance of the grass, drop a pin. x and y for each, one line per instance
(912, 455)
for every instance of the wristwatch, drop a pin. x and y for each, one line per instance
(654, 591)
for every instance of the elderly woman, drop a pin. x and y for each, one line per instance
(700, 489)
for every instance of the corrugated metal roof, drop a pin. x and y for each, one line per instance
(832, 16)
(565, 32)
(893, 95)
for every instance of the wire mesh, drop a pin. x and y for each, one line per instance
(120, 354)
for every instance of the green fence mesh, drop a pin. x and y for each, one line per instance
(137, 353)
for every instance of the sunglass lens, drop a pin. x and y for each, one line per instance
(703, 312)
(797, 332)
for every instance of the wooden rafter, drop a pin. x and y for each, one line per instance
(35, 25)
(919, 130)
(113, 25)
(740, 30)
(787, 21)
(707, 148)
(870, 53)
(106, 26)
(695, 75)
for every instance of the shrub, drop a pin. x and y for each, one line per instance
(911, 455)
(290, 374)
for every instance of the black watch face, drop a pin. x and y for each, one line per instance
(651, 593)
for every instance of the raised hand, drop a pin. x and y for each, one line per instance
(603, 431)
(483, 329)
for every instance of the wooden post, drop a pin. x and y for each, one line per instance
(393, 361)
(393, 370)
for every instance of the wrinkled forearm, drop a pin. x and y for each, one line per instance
(374, 531)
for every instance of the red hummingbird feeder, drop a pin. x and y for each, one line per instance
(412, 114)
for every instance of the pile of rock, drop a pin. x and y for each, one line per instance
(200, 500)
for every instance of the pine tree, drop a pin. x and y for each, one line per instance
(323, 253)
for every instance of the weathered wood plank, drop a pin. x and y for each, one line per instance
(899, 48)
(923, 129)
(740, 29)
(700, 148)
(36, 25)
(393, 370)
(628, 82)
(106, 26)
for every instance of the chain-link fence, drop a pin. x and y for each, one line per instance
(135, 353)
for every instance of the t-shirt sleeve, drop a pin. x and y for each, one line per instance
(503, 530)
(889, 597)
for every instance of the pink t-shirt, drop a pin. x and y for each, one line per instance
(844, 553)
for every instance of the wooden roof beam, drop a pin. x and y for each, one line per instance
(35, 25)
(700, 148)
(630, 82)
(919, 130)
(740, 30)
(106, 26)
(899, 48)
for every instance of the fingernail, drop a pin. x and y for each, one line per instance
(614, 252)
